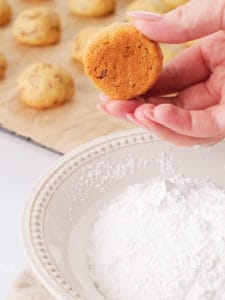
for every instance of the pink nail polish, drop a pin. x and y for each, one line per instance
(146, 15)
(132, 118)
(149, 114)
(102, 108)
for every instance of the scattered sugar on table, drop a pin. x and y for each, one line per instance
(162, 240)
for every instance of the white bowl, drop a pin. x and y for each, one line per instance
(64, 205)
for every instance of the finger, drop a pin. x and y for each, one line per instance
(180, 73)
(196, 97)
(193, 20)
(196, 123)
(164, 133)
(120, 108)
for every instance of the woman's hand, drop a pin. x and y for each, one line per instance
(196, 115)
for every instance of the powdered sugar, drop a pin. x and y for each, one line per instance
(107, 171)
(164, 240)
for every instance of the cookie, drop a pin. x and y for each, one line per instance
(122, 62)
(92, 8)
(157, 6)
(81, 40)
(5, 12)
(175, 3)
(34, 1)
(3, 65)
(37, 27)
(170, 51)
(45, 85)
(192, 43)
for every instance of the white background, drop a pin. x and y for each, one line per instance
(21, 164)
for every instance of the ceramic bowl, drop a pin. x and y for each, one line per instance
(64, 204)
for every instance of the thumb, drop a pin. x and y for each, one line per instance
(195, 19)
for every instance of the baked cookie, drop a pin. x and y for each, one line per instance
(192, 43)
(3, 65)
(175, 3)
(122, 62)
(170, 51)
(5, 12)
(45, 85)
(37, 26)
(34, 1)
(92, 8)
(80, 41)
(157, 6)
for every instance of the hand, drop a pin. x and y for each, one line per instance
(196, 115)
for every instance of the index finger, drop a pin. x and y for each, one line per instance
(193, 20)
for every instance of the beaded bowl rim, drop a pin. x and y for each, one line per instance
(34, 244)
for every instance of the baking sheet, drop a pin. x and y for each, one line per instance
(64, 127)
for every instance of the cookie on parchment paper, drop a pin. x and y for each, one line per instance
(38, 26)
(175, 3)
(92, 8)
(5, 12)
(80, 41)
(156, 6)
(3, 65)
(45, 85)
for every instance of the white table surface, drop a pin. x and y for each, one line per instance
(21, 164)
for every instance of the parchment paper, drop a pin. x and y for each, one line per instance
(64, 127)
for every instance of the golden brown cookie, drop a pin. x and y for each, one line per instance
(175, 3)
(122, 62)
(157, 6)
(37, 26)
(45, 85)
(80, 41)
(5, 12)
(92, 8)
(3, 65)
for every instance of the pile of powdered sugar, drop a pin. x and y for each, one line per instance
(164, 240)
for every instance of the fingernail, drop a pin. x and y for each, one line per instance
(132, 118)
(149, 114)
(147, 15)
(102, 107)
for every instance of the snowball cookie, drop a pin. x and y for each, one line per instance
(81, 40)
(5, 12)
(92, 8)
(45, 85)
(157, 6)
(122, 62)
(37, 26)
(192, 43)
(175, 3)
(34, 1)
(167, 53)
(3, 65)
(171, 50)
